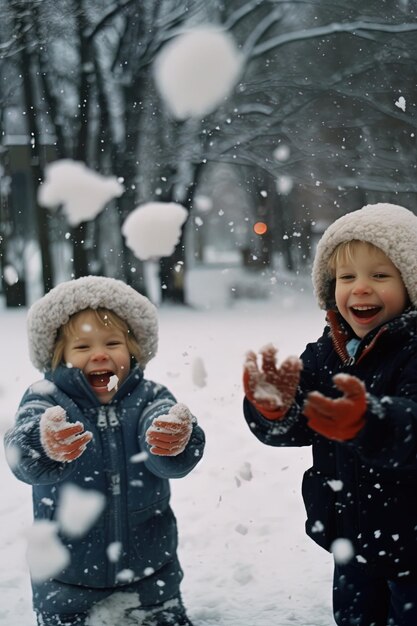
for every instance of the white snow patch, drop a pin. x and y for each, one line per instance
(113, 382)
(343, 551)
(152, 230)
(400, 103)
(81, 192)
(79, 509)
(45, 554)
(198, 372)
(196, 71)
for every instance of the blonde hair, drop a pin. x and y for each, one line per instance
(106, 318)
(345, 251)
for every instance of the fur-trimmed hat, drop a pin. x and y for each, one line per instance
(390, 227)
(55, 308)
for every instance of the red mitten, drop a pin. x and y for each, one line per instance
(272, 390)
(169, 434)
(61, 440)
(338, 418)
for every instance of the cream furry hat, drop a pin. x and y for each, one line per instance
(56, 307)
(390, 227)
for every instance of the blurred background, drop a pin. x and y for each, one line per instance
(317, 117)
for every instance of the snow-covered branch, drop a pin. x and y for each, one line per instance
(359, 29)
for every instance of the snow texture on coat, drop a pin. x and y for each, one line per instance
(390, 227)
(137, 513)
(363, 490)
(55, 308)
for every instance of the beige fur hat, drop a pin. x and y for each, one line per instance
(56, 307)
(390, 227)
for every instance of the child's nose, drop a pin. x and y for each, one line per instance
(99, 355)
(361, 286)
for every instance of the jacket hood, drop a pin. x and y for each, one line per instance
(55, 308)
(390, 227)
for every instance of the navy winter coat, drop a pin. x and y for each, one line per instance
(137, 512)
(365, 489)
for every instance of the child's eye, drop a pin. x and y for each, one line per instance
(114, 343)
(380, 275)
(345, 277)
(81, 346)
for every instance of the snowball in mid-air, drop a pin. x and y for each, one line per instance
(78, 509)
(282, 153)
(82, 192)
(153, 229)
(46, 555)
(198, 372)
(196, 71)
(342, 550)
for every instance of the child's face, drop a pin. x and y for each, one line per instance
(100, 352)
(369, 289)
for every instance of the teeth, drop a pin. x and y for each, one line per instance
(363, 308)
(100, 373)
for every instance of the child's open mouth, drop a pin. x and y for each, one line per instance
(365, 312)
(99, 379)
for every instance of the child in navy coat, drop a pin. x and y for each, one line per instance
(95, 423)
(353, 397)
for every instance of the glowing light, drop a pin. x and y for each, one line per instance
(260, 228)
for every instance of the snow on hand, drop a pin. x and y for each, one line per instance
(152, 230)
(196, 71)
(82, 192)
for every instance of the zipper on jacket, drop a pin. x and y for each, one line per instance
(108, 423)
(113, 419)
(102, 419)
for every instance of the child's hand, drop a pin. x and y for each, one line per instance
(272, 390)
(169, 434)
(61, 440)
(338, 418)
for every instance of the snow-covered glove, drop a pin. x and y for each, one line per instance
(169, 434)
(272, 390)
(341, 418)
(62, 441)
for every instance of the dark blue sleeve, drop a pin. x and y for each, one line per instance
(292, 429)
(169, 466)
(23, 448)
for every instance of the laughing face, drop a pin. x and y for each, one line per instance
(100, 351)
(369, 288)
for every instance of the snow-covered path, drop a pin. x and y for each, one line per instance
(246, 558)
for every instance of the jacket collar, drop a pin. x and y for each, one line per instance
(73, 383)
(341, 333)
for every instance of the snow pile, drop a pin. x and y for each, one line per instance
(196, 71)
(81, 192)
(153, 229)
(78, 509)
(113, 610)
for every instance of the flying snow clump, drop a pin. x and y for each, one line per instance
(78, 509)
(197, 70)
(81, 192)
(46, 556)
(342, 550)
(198, 372)
(153, 229)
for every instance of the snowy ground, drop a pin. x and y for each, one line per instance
(246, 559)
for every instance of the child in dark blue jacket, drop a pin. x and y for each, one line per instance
(95, 425)
(353, 398)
